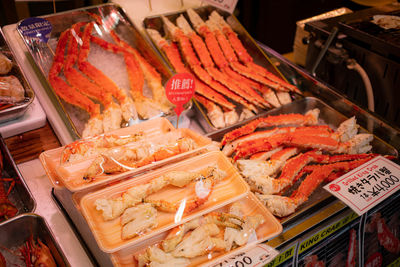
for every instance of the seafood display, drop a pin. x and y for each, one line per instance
(139, 208)
(294, 150)
(137, 218)
(101, 70)
(27, 241)
(206, 238)
(229, 84)
(213, 232)
(36, 253)
(118, 154)
(15, 93)
(85, 83)
(7, 208)
(11, 89)
(32, 253)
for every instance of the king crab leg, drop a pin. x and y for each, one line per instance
(283, 206)
(172, 53)
(70, 94)
(190, 57)
(321, 130)
(114, 207)
(244, 56)
(112, 115)
(310, 118)
(208, 64)
(214, 112)
(126, 103)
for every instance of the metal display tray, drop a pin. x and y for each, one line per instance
(43, 53)
(260, 58)
(20, 196)
(15, 232)
(17, 109)
(328, 116)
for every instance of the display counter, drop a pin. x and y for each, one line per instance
(64, 204)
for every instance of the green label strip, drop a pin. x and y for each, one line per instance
(284, 256)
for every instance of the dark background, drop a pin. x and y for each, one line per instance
(272, 22)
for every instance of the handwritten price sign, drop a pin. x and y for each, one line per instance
(227, 5)
(368, 185)
(259, 254)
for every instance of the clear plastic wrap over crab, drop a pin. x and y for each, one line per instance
(291, 155)
(128, 151)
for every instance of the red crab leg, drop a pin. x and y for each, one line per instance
(310, 118)
(217, 53)
(244, 56)
(214, 112)
(172, 53)
(91, 71)
(234, 92)
(321, 130)
(65, 91)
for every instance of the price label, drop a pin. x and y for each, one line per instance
(368, 185)
(36, 28)
(179, 90)
(255, 256)
(227, 5)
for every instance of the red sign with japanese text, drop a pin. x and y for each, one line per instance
(368, 185)
(179, 90)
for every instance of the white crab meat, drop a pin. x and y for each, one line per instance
(284, 97)
(138, 219)
(112, 118)
(157, 258)
(231, 117)
(258, 168)
(246, 234)
(279, 205)
(200, 242)
(94, 126)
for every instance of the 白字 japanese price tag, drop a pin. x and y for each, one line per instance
(227, 5)
(255, 256)
(368, 185)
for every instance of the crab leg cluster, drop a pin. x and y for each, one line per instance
(208, 51)
(139, 212)
(293, 147)
(78, 82)
(214, 232)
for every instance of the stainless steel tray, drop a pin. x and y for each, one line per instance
(260, 58)
(17, 109)
(20, 195)
(42, 54)
(328, 116)
(15, 232)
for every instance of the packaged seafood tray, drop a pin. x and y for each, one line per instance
(249, 207)
(234, 77)
(15, 196)
(28, 238)
(324, 118)
(101, 72)
(122, 153)
(171, 195)
(15, 93)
